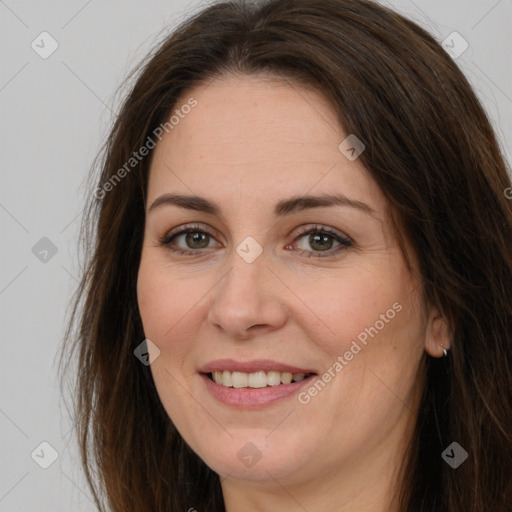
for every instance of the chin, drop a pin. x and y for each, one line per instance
(256, 458)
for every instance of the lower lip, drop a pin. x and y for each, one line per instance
(253, 398)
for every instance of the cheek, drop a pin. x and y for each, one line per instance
(376, 347)
(167, 307)
(370, 330)
(166, 303)
(347, 303)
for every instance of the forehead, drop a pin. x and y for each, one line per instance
(261, 135)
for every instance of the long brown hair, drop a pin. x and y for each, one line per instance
(431, 149)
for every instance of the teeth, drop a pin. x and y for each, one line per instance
(226, 379)
(258, 380)
(273, 378)
(239, 379)
(286, 378)
(255, 380)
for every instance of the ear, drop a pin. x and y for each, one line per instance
(438, 335)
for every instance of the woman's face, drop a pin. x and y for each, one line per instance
(256, 298)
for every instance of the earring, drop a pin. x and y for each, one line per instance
(444, 350)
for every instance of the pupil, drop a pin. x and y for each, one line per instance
(196, 237)
(325, 239)
(322, 241)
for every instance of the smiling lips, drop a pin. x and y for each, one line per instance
(255, 380)
(253, 384)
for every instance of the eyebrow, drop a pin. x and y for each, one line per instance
(282, 208)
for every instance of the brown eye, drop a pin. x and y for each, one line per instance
(195, 237)
(187, 240)
(320, 239)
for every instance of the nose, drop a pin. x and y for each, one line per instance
(248, 301)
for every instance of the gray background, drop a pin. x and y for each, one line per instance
(55, 114)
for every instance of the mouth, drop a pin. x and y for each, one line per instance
(254, 384)
(255, 380)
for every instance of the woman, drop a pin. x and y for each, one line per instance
(297, 291)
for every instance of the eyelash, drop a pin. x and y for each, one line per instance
(345, 242)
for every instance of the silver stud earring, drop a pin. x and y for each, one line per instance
(445, 351)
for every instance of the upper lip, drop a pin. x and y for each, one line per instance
(253, 366)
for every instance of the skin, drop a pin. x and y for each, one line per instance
(250, 142)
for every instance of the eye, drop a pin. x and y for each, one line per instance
(194, 237)
(321, 239)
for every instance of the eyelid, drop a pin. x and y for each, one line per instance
(302, 230)
(343, 240)
(323, 229)
(182, 229)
